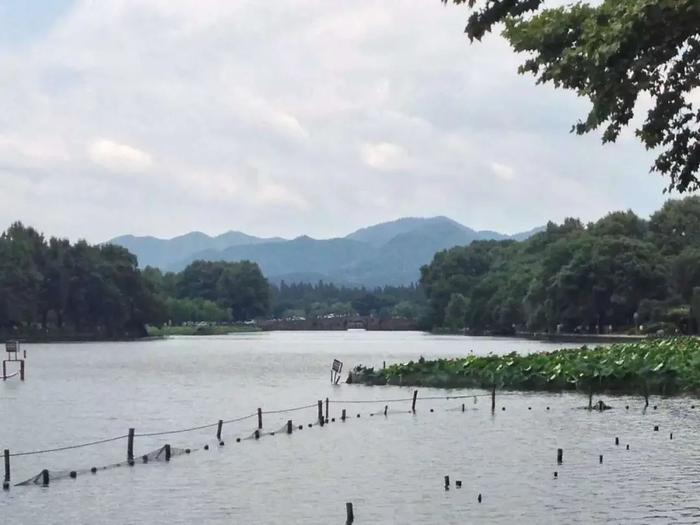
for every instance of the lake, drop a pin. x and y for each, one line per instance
(391, 467)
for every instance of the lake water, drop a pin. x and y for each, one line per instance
(391, 468)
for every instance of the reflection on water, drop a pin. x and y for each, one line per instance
(391, 468)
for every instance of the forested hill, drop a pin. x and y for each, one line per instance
(621, 271)
(389, 253)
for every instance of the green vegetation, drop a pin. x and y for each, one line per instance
(318, 300)
(615, 53)
(654, 366)
(200, 329)
(53, 289)
(620, 271)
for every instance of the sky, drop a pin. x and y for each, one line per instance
(286, 118)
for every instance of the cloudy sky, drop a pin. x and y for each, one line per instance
(283, 118)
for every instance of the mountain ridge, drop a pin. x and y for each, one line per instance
(388, 253)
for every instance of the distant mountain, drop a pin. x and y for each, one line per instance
(390, 253)
(161, 253)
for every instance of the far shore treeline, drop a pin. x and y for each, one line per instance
(52, 289)
(622, 272)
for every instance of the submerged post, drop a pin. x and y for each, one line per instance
(321, 419)
(415, 396)
(386, 408)
(259, 418)
(130, 447)
(342, 415)
(45, 478)
(6, 481)
(289, 426)
(560, 455)
(167, 452)
(327, 402)
(350, 514)
(218, 429)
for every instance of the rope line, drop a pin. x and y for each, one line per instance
(289, 409)
(254, 414)
(69, 447)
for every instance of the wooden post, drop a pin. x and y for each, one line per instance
(4, 370)
(289, 426)
(130, 447)
(617, 440)
(45, 478)
(218, 430)
(259, 418)
(350, 514)
(560, 455)
(493, 398)
(462, 407)
(321, 419)
(257, 433)
(386, 408)
(415, 396)
(167, 452)
(600, 458)
(327, 402)
(342, 416)
(6, 482)
(447, 482)
(21, 370)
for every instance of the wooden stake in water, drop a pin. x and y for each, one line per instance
(342, 416)
(259, 418)
(218, 430)
(560, 455)
(45, 478)
(415, 396)
(350, 513)
(167, 452)
(289, 426)
(130, 447)
(321, 419)
(493, 398)
(6, 482)
(327, 402)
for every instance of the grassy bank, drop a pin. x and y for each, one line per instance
(655, 366)
(154, 331)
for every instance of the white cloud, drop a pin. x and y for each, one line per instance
(384, 156)
(290, 117)
(503, 171)
(119, 157)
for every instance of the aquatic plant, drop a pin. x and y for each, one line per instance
(659, 366)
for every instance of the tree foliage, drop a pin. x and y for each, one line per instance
(573, 276)
(616, 53)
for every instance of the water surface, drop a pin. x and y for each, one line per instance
(391, 468)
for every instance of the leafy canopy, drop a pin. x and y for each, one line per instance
(615, 52)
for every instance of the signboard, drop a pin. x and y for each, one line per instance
(335, 371)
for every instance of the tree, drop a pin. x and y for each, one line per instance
(613, 52)
(456, 312)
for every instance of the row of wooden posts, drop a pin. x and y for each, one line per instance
(323, 418)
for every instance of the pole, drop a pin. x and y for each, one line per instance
(415, 396)
(560, 455)
(218, 430)
(327, 402)
(320, 413)
(6, 482)
(259, 418)
(350, 514)
(493, 398)
(167, 452)
(45, 478)
(4, 370)
(342, 417)
(21, 369)
(289, 426)
(130, 447)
